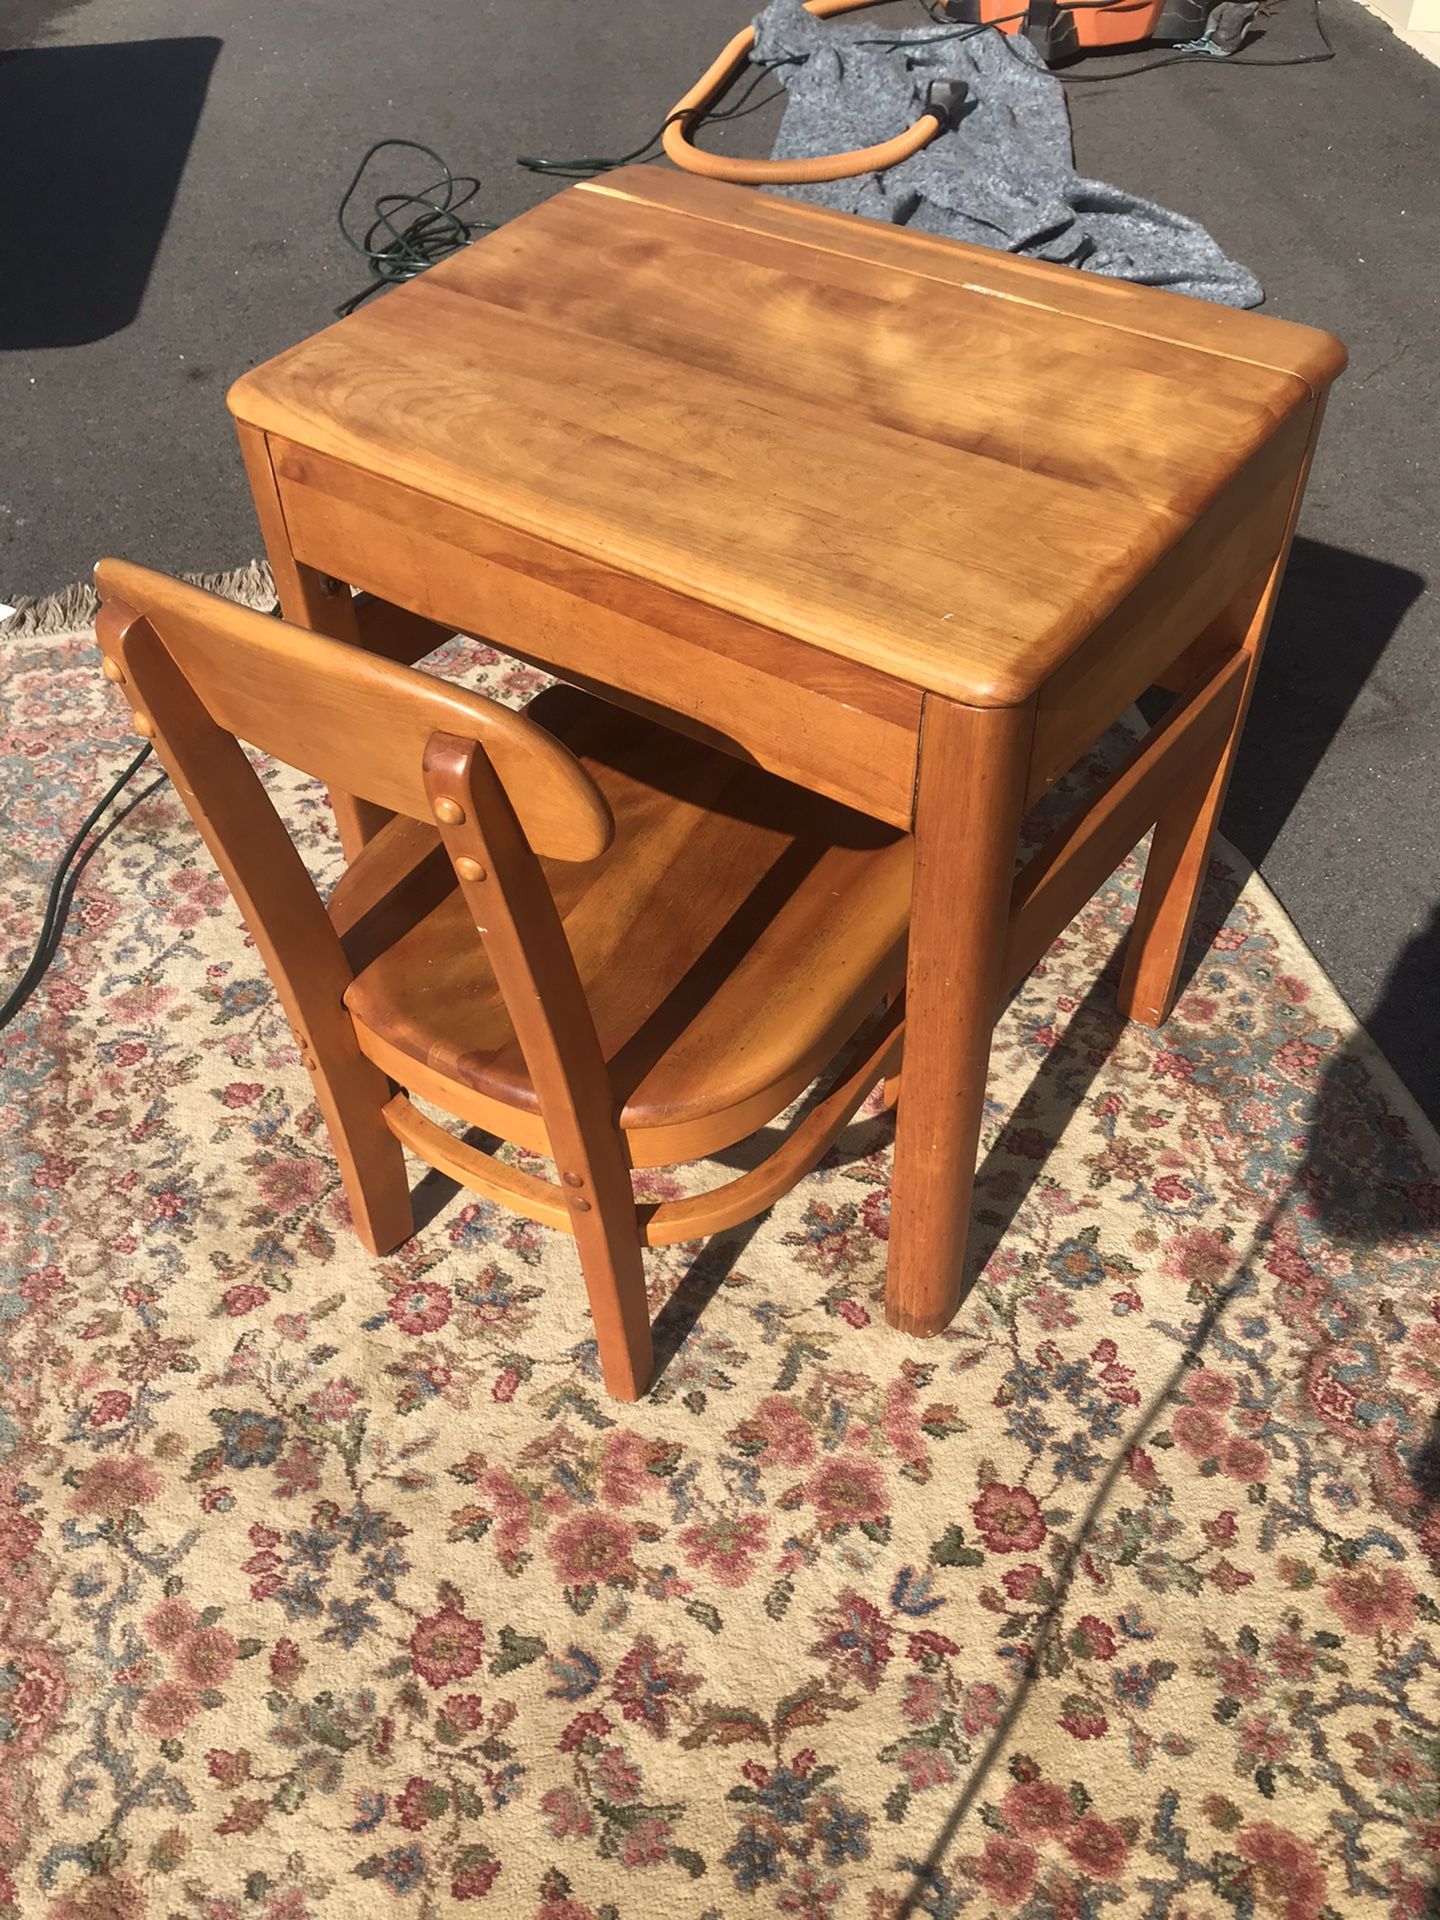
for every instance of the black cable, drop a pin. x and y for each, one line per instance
(1228, 60)
(587, 165)
(593, 163)
(434, 232)
(62, 886)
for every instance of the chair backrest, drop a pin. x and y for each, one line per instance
(355, 721)
(203, 675)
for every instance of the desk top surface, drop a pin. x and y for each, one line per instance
(945, 462)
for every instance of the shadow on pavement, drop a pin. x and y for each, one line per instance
(96, 141)
(1337, 614)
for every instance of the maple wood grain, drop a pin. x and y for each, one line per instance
(877, 456)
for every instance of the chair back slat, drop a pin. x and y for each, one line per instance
(353, 720)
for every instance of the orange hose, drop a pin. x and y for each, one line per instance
(756, 173)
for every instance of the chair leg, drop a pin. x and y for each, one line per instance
(352, 1092)
(613, 1266)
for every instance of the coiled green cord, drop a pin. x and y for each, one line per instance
(396, 251)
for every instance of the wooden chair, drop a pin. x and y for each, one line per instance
(579, 931)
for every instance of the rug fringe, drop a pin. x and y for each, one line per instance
(76, 606)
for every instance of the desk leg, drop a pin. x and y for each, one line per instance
(973, 765)
(307, 599)
(1180, 846)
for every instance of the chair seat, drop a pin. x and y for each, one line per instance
(730, 941)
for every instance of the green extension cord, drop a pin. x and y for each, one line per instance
(394, 252)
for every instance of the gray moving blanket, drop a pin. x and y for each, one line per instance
(1001, 175)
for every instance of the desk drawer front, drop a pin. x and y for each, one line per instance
(832, 726)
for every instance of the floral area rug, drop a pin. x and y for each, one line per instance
(336, 1586)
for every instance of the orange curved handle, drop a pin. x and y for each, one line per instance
(766, 173)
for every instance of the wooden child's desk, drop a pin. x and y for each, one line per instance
(908, 522)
